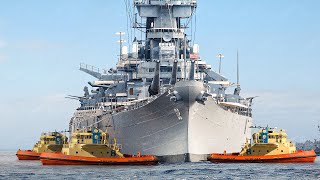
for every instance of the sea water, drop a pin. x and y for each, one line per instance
(11, 168)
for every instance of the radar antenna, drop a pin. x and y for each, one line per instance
(220, 56)
(121, 41)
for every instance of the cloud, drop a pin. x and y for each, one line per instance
(3, 57)
(296, 111)
(50, 103)
(3, 44)
(31, 116)
(287, 100)
(37, 45)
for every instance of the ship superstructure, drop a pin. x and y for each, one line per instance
(162, 98)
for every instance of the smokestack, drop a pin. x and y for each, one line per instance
(192, 71)
(174, 73)
(155, 85)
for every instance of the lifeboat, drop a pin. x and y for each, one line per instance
(91, 147)
(269, 146)
(49, 142)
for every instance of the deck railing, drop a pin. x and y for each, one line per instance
(92, 68)
(165, 1)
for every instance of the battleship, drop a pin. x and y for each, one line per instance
(308, 145)
(162, 98)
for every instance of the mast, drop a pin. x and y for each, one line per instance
(238, 88)
(238, 77)
(185, 56)
(220, 56)
(120, 41)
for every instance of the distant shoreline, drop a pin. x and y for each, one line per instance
(7, 150)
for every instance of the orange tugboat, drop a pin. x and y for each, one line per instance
(49, 142)
(269, 146)
(91, 147)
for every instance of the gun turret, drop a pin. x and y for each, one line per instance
(155, 85)
(192, 70)
(174, 73)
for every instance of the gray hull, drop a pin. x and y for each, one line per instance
(180, 131)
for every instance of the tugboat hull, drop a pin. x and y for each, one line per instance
(27, 155)
(298, 157)
(62, 159)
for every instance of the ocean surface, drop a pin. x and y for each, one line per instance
(11, 168)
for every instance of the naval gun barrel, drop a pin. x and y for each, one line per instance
(174, 73)
(192, 70)
(155, 85)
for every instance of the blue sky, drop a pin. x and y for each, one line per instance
(43, 42)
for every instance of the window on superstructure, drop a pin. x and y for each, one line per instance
(131, 91)
(165, 69)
